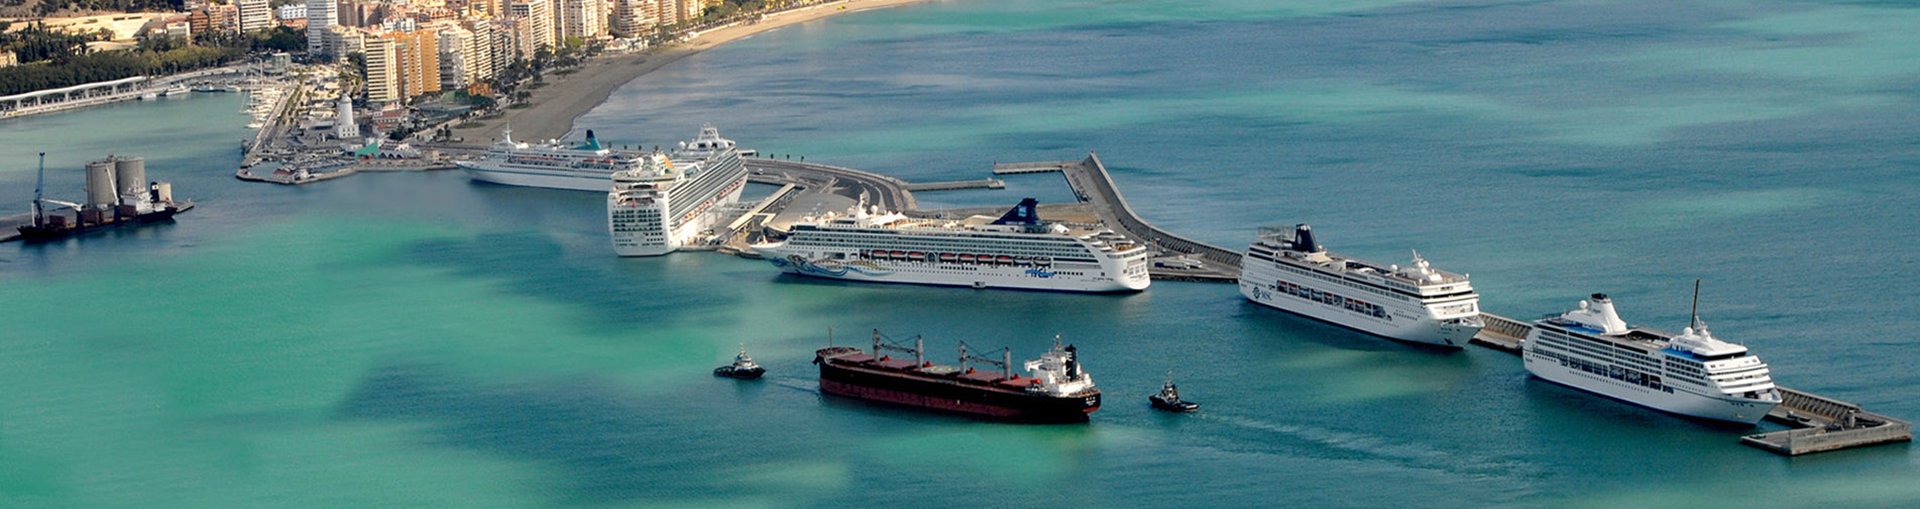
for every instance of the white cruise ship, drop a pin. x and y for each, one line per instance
(1015, 251)
(553, 164)
(1289, 271)
(1693, 373)
(657, 207)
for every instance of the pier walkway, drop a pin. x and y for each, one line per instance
(1820, 424)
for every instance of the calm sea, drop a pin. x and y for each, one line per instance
(417, 340)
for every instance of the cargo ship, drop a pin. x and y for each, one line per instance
(117, 194)
(1054, 390)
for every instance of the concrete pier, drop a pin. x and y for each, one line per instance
(1037, 167)
(1823, 424)
(1092, 183)
(957, 185)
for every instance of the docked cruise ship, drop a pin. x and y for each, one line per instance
(1017, 250)
(1291, 272)
(553, 164)
(657, 207)
(1692, 373)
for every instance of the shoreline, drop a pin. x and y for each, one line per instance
(563, 101)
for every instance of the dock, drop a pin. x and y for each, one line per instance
(12, 225)
(1820, 424)
(1034, 167)
(1823, 424)
(957, 185)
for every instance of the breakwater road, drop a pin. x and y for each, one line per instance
(1180, 258)
(887, 192)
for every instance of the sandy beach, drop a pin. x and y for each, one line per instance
(565, 98)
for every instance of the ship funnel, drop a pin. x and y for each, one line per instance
(1303, 239)
(593, 143)
(1597, 313)
(1022, 214)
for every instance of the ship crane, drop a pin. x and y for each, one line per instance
(1005, 362)
(39, 184)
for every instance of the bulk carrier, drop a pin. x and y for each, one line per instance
(1055, 389)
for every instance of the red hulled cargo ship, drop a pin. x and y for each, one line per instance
(1054, 389)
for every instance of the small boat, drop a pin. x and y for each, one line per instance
(966, 258)
(948, 257)
(1169, 399)
(742, 368)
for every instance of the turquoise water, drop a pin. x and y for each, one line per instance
(416, 340)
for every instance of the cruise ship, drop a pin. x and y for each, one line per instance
(1291, 272)
(1017, 250)
(657, 207)
(552, 164)
(1693, 373)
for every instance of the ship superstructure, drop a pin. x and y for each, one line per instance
(1288, 270)
(1054, 389)
(552, 164)
(1017, 250)
(663, 202)
(1590, 348)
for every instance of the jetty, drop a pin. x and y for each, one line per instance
(1820, 424)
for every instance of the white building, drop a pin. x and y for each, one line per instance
(383, 70)
(534, 27)
(321, 16)
(293, 11)
(344, 126)
(584, 19)
(255, 15)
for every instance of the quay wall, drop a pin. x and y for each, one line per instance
(1130, 221)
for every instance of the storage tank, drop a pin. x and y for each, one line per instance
(130, 175)
(100, 188)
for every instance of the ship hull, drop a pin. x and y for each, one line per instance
(1667, 399)
(548, 179)
(1401, 321)
(30, 233)
(952, 397)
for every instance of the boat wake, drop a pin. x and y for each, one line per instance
(1412, 455)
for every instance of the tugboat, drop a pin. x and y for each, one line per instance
(742, 368)
(1169, 399)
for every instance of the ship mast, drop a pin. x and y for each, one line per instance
(1694, 320)
(39, 215)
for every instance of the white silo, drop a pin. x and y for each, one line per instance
(100, 188)
(130, 175)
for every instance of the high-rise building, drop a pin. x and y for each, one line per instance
(255, 15)
(322, 15)
(419, 55)
(383, 70)
(224, 17)
(583, 19)
(534, 30)
(455, 58)
(479, 55)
